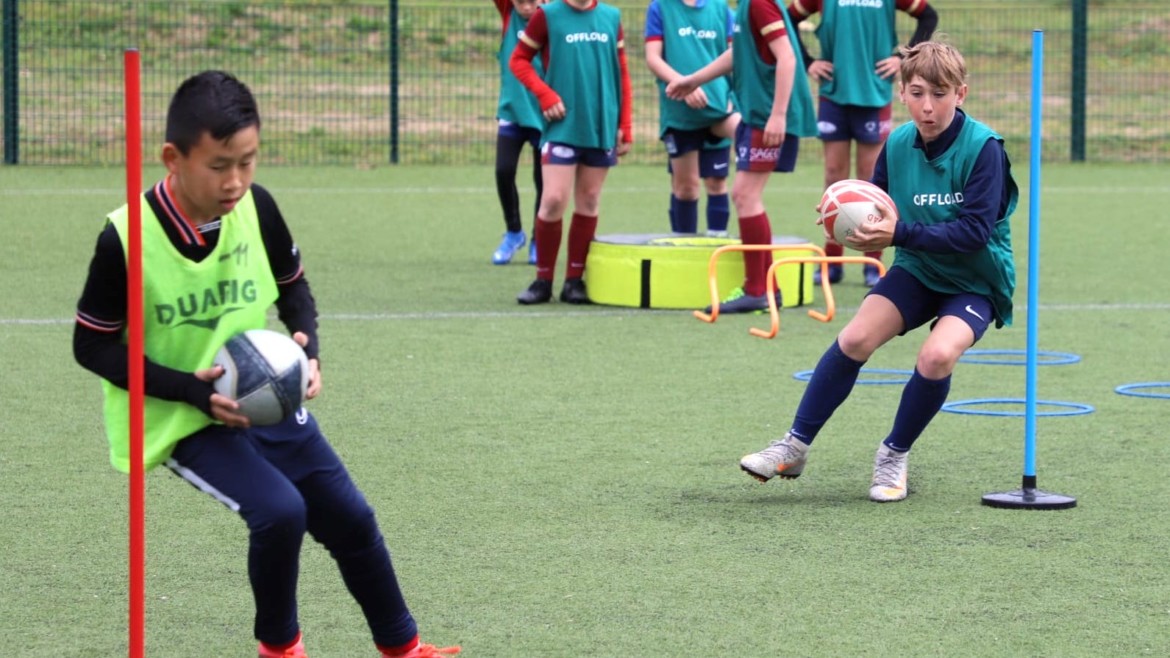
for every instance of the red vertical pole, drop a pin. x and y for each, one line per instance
(134, 321)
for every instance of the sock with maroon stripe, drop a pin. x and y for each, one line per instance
(581, 232)
(756, 229)
(547, 235)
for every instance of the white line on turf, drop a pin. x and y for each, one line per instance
(607, 312)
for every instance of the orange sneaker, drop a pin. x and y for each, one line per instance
(297, 650)
(424, 651)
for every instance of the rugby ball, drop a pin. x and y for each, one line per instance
(848, 204)
(266, 372)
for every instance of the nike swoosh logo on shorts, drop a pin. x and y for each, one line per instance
(972, 312)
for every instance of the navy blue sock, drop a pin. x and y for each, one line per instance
(831, 383)
(673, 214)
(921, 400)
(718, 212)
(686, 215)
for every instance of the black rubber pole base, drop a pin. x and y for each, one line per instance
(1029, 498)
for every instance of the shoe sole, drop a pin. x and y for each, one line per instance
(762, 479)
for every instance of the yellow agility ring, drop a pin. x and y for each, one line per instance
(670, 270)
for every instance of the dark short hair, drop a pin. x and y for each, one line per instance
(213, 102)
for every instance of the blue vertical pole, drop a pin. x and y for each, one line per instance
(1033, 260)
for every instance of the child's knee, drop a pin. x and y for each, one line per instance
(936, 361)
(287, 516)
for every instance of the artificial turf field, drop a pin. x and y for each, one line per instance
(563, 481)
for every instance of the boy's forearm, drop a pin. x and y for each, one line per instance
(521, 66)
(657, 64)
(107, 356)
(717, 68)
(927, 23)
(298, 311)
(626, 112)
(785, 77)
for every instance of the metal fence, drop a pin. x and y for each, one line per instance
(369, 83)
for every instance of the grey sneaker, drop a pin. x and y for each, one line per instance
(785, 458)
(889, 475)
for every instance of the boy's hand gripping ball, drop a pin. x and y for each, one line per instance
(847, 204)
(266, 372)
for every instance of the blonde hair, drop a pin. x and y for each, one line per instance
(938, 63)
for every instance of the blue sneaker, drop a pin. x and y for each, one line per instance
(532, 252)
(836, 273)
(871, 276)
(508, 246)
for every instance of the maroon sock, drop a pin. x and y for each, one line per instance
(834, 249)
(547, 235)
(581, 232)
(756, 230)
(874, 254)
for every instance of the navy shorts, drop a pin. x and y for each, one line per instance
(516, 131)
(713, 161)
(919, 304)
(866, 125)
(752, 155)
(556, 153)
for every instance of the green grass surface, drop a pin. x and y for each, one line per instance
(562, 481)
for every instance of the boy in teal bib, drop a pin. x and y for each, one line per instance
(776, 110)
(856, 69)
(520, 123)
(951, 182)
(681, 37)
(587, 103)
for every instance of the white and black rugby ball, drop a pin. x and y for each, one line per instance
(266, 372)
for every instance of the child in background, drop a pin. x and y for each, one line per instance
(953, 270)
(776, 107)
(210, 234)
(586, 100)
(520, 123)
(681, 37)
(856, 70)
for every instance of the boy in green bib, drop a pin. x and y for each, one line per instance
(951, 181)
(216, 254)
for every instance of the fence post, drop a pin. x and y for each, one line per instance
(393, 81)
(11, 84)
(1080, 41)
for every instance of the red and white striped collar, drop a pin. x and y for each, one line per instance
(183, 224)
